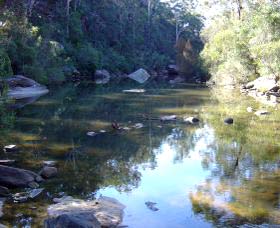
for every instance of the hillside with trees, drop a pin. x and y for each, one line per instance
(50, 41)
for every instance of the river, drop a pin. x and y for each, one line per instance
(204, 175)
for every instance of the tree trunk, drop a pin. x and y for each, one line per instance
(68, 16)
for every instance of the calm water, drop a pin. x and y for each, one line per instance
(206, 175)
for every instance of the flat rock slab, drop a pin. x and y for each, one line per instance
(140, 76)
(108, 211)
(134, 91)
(13, 177)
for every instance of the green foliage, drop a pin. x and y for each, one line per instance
(240, 50)
(40, 40)
(5, 65)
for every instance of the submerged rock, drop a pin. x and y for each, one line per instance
(79, 220)
(48, 172)
(108, 211)
(140, 76)
(151, 206)
(168, 118)
(13, 177)
(228, 120)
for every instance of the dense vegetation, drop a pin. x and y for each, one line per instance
(51, 40)
(243, 42)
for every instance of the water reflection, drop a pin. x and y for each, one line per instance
(199, 175)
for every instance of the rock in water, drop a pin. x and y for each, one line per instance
(172, 69)
(151, 206)
(10, 148)
(49, 163)
(134, 91)
(168, 118)
(102, 77)
(261, 112)
(48, 172)
(140, 76)
(250, 109)
(108, 211)
(191, 120)
(228, 120)
(13, 177)
(79, 220)
(22, 87)
(7, 162)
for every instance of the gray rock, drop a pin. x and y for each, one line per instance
(168, 118)
(10, 148)
(140, 76)
(48, 172)
(108, 211)
(191, 120)
(22, 197)
(22, 87)
(13, 177)
(134, 91)
(228, 120)
(4, 191)
(263, 84)
(75, 220)
(262, 112)
(34, 193)
(250, 109)
(102, 77)
(172, 69)
(49, 163)
(7, 162)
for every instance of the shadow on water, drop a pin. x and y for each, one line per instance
(211, 173)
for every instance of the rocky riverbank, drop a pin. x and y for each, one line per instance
(264, 89)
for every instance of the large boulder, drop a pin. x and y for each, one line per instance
(140, 76)
(48, 172)
(108, 211)
(102, 77)
(13, 177)
(20, 87)
(263, 84)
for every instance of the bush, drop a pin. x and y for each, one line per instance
(5, 64)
